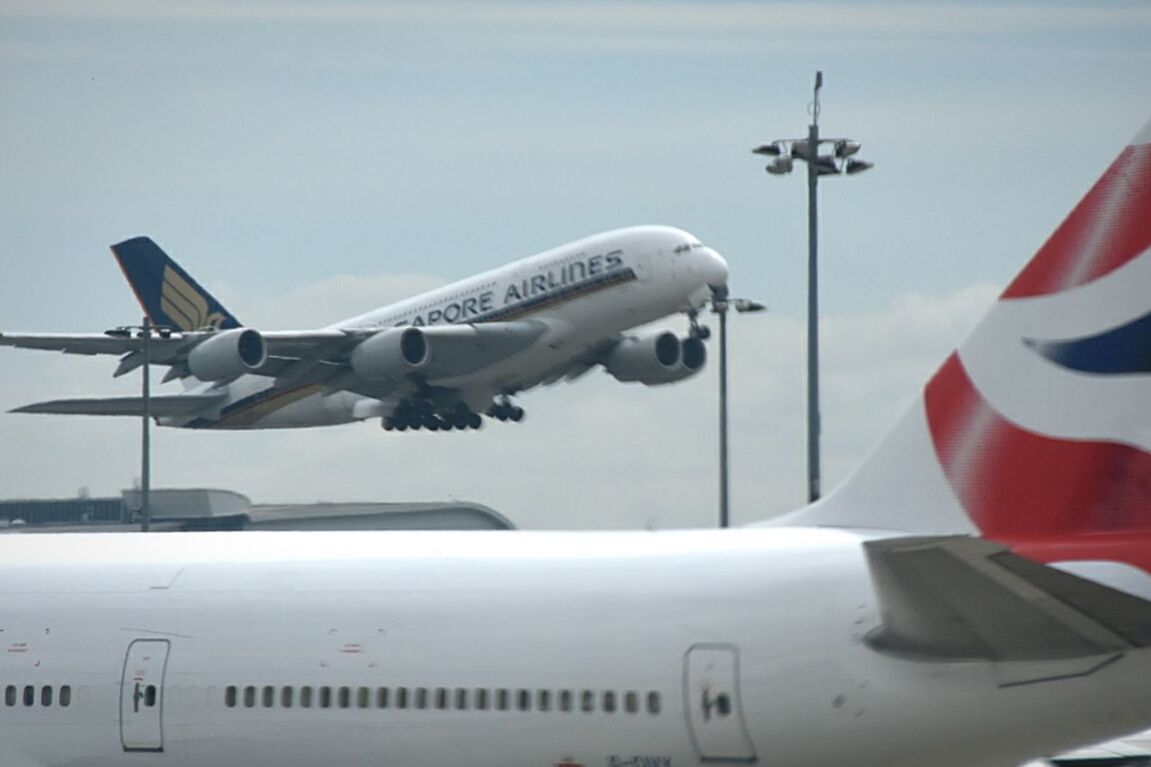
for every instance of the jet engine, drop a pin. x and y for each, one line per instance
(656, 358)
(391, 353)
(228, 355)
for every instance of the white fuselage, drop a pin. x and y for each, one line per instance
(584, 292)
(505, 649)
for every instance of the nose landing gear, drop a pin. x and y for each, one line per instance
(702, 332)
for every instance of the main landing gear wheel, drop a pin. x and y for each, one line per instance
(504, 410)
(421, 415)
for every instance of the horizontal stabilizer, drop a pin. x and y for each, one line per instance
(957, 597)
(158, 406)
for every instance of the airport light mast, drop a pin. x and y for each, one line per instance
(840, 161)
(144, 332)
(720, 305)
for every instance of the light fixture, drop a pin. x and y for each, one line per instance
(746, 305)
(857, 166)
(825, 166)
(846, 148)
(802, 149)
(780, 166)
(771, 150)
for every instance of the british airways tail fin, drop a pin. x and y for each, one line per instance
(1038, 427)
(167, 293)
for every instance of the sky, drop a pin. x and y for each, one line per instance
(308, 161)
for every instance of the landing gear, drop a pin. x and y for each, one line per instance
(504, 410)
(702, 332)
(417, 414)
(420, 414)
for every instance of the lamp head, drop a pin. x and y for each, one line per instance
(825, 166)
(771, 150)
(780, 166)
(846, 148)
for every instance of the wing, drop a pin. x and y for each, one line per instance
(87, 343)
(458, 350)
(158, 405)
(447, 353)
(283, 348)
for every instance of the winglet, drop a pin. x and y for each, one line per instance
(168, 294)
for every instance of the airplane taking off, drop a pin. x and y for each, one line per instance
(975, 595)
(436, 361)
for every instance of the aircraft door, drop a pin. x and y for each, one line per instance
(142, 695)
(715, 713)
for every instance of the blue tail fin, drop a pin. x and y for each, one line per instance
(168, 294)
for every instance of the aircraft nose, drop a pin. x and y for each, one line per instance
(714, 269)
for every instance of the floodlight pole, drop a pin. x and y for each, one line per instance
(724, 512)
(841, 160)
(813, 477)
(720, 307)
(146, 447)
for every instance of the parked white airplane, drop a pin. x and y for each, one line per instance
(435, 361)
(904, 620)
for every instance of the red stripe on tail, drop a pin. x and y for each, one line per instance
(1108, 228)
(1018, 485)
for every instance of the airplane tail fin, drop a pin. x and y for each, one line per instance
(167, 293)
(1037, 428)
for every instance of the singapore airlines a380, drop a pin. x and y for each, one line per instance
(438, 361)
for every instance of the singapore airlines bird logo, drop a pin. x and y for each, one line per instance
(185, 306)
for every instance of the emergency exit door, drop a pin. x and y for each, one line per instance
(715, 713)
(142, 695)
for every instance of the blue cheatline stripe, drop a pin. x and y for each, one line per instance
(1125, 349)
(266, 397)
(556, 297)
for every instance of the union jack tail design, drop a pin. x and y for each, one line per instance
(1037, 430)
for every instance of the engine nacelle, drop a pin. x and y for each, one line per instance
(228, 354)
(650, 358)
(657, 358)
(391, 353)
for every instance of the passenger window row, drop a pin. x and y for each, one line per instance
(442, 698)
(27, 695)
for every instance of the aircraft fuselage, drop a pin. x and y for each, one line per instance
(496, 649)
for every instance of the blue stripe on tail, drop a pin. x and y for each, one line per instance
(1122, 350)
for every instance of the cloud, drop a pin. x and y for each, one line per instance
(626, 27)
(336, 298)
